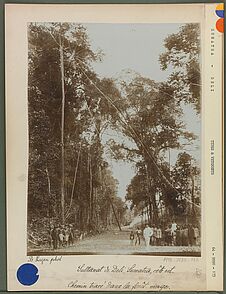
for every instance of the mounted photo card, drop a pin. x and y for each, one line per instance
(114, 135)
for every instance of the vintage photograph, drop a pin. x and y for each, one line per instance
(114, 122)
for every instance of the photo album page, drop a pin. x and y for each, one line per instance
(114, 139)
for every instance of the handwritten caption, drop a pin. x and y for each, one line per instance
(119, 285)
(126, 269)
(44, 259)
(110, 285)
(130, 285)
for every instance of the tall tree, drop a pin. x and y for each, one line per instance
(151, 119)
(183, 55)
(184, 173)
(53, 94)
(66, 119)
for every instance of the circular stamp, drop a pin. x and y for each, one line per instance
(27, 274)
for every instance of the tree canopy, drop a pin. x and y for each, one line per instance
(183, 55)
(69, 109)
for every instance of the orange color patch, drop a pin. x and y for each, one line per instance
(220, 6)
(220, 25)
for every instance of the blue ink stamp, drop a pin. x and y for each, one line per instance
(27, 274)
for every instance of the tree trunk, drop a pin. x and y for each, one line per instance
(74, 181)
(192, 194)
(112, 205)
(49, 194)
(90, 188)
(62, 134)
(151, 198)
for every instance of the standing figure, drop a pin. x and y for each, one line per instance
(168, 236)
(71, 236)
(154, 236)
(137, 236)
(54, 236)
(173, 233)
(66, 236)
(190, 235)
(178, 236)
(196, 236)
(158, 236)
(147, 233)
(131, 237)
(185, 236)
(61, 238)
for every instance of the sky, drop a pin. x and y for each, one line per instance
(136, 47)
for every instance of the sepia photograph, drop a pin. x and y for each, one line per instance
(114, 128)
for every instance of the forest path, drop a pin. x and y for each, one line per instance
(117, 242)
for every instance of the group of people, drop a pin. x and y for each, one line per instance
(173, 235)
(63, 236)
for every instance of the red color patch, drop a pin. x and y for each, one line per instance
(220, 25)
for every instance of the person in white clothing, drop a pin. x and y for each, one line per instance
(147, 233)
(173, 227)
(173, 232)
